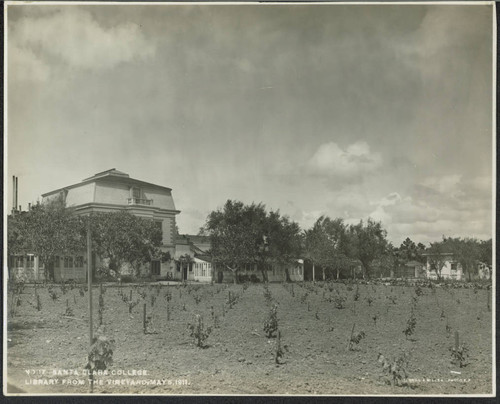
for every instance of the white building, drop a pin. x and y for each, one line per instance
(450, 268)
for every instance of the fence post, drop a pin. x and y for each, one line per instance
(350, 338)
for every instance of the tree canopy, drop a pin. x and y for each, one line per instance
(247, 234)
(51, 230)
(45, 230)
(325, 244)
(123, 238)
(367, 241)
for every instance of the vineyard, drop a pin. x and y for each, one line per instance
(293, 338)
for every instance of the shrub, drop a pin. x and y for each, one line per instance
(271, 323)
(339, 302)
(127, 279)
(356, 293)
(460, 355)
(410, 325)
(356, 339)
(198, 331)
(395, 369)
(100, 356)
(267, 294)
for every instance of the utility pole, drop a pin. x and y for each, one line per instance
(89, 284)
(89, 280)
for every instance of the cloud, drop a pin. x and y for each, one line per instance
(24, 65)
(452, 207)
(330, 160)
(76, 38)
(447, 184)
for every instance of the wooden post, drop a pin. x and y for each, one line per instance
(456, 341)
(130, 295)
(89, 284)
(350, 338)
(144, 319)
(314, 278)
(278, 347)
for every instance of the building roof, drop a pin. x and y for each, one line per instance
(182, 239)
(114, 175)
(430, 253)
(197, 239)
(186, 239)
(414, 264)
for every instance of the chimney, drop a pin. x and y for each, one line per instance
(17, 192)
(14, 202)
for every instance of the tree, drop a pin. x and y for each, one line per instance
(47, 231)
(437, 257)
(325, 244)
(337, 239)
(409, 251)
(123, 238)
(314, 244)
(486, 251)
(247, 235)
(230, 230)
(281, 242)
(466, 251)
(367, 242)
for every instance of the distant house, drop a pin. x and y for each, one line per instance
(25, 267)
(275, 272)
(409, 270)
(484, 271)
(108, 191)
(193, 263)
(451, 268)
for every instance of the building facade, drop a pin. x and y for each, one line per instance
(107, 191)
(451, 268)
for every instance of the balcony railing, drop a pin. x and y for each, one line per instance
(139, 201)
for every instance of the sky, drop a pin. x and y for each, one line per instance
(350, 111)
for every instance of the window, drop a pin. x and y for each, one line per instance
(30, 261)
(68, 262)
(190, 267)
(57, 262)
(453, 266)
(136, 193)
(79, 262)
(155, 267)
(19, 262)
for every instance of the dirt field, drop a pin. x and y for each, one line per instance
(239, 358)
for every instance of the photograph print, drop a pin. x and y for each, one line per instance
(249, 199)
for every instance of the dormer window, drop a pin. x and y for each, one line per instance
(136, 197)
(136, 193)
